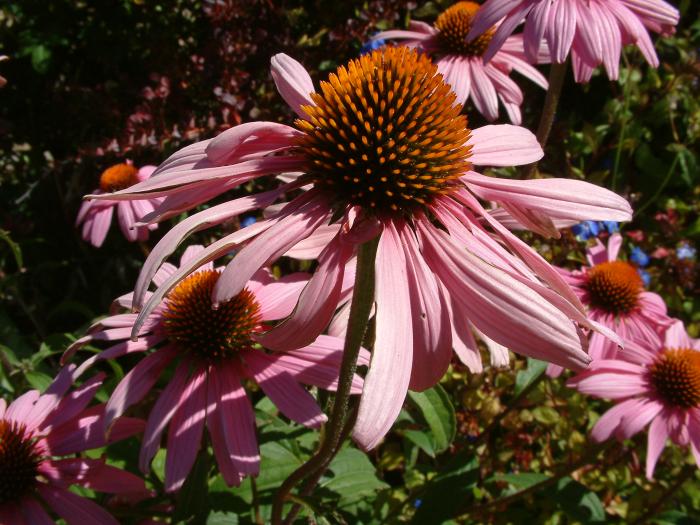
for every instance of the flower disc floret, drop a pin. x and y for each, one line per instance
(385, 133)
(194, 327)
(118, 177)
(614, 287)
(453, 26)
(19, 461)
(675, 376)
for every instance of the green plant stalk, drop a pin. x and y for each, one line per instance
(360, 308)
(623, 128)
(557, 75)
(666, 180)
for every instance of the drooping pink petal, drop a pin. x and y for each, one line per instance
(137, 383)
(432, 334)
(483, 93)
(33, 513)
(249, 137)
(658, 433)
(237, 420)
(297, 221)
(218, 440)
(635, 420)
(386, 383)
(562, 19)
(677, 337)
(185, 432)
(609, 422)
(504, 145)
(284, 391)
(74, 509)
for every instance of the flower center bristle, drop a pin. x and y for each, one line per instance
(118, 177)
(454, 25)
(385, 133)
(676, 377)
(19, 461)
(196, 328)
(614, 287)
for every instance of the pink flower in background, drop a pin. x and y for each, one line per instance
(96, 216)
(215, 351)
(384, 150)
(461, 62)
(593, 31)
(614, 295)
(654, 380)
(40, 436)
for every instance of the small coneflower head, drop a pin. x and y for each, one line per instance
(654, 381)
(39, 437)
(95, 217)
(461, 61)
(214, 351)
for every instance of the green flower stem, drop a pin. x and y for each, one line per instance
(557, 75)
(362, 301)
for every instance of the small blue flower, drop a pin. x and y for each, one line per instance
(417, 503)
(686, 251)
(646, 278)
(639, 257)
(611, 226)
(247, 221)
(371, 45)
(585, 230)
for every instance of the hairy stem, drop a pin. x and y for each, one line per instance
(557, 74)
(362, 300)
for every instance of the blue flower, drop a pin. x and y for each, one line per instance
(639, 257)
(585, 230)
(371, 45)
(646, 278)
(611, 226)
(417, 503)
(247, 221)
(686, 251)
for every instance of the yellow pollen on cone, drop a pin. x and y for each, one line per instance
(614, 287)
(675, 376)
(118, 177)
(453, 26)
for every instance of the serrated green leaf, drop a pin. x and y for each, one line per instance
(437, 411)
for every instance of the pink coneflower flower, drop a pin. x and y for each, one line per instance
(386, 152)
(215, 351)
(96, 215)
(593, 31)
(613, 292)
(40, 436)
(461, 63)
(653, 380)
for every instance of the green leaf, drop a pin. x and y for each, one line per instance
(580, 503)
(421, 440)
(222, 518)
(277, 463)
(673, 517)
(353, 475)
(38, 380)
(446, 494)
(521, 481)
(523, 379)
(437, 411)
(14, 247)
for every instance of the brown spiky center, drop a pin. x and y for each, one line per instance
(675, 375)
(453, 26)
(195, 328)
(614, 287)
(19, 461)
(385, 133)
(118, 177)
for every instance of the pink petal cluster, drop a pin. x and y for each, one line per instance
(96, 216)
(469, 76)
(592, 31)
(634, 381)
(433, 283)
(56, 426)
(209, 392)
(646, 320)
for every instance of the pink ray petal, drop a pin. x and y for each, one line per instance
(74, 509)
(293, 82)
(504, 145)
(658, 433)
